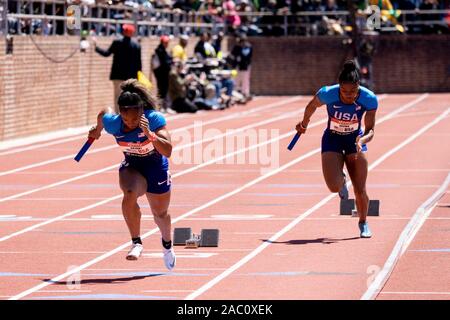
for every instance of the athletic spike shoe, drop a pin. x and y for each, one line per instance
(364, 229)
(135, 251)
(169, 258)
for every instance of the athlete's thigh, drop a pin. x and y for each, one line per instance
(131, 180)
(357, 167)
(332, 165)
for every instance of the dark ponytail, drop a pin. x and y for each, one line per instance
(349, 73)
(133, 86)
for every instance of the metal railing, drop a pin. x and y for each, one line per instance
(49, 17)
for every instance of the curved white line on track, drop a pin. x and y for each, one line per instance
(407, 235)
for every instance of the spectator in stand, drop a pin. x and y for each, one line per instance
(217, 44)
(186, 5)
(203, 48)
(232, 19)
(331, 24)
(330, 5)
(431, 5)
(161, 63)
(126, 59)
(178, 82)
(179, 51)
(209, 9)
(272, 24)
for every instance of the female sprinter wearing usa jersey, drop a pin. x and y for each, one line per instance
(343, 140)
(141, 133)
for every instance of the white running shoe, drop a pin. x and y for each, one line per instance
(135, 251)
(169, 258)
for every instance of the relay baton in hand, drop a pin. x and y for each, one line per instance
(293, 141)
(83, 149)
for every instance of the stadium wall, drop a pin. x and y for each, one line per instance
(38, 95)
(301, 65)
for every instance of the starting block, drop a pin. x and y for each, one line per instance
(209, 238)
(180, 235)
(347, 206)
(185, 237)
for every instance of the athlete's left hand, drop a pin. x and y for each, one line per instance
(143, 124)
(358, 144)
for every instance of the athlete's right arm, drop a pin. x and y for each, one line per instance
(309, 111)
(96, 131)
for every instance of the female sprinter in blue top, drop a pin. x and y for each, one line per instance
(343, 140)
(141, 133)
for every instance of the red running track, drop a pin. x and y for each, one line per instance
(281, 235)
(426, 260)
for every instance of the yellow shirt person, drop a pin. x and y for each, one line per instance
(179, 51)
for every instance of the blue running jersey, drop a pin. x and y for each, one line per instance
(134, 144)
(344, 118)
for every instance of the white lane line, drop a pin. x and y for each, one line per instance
(61, 217)
(253, 233)
(189, 213)
(30, 228)
(63, 291)
(404, 240)
(238, 216)
(178, 174)
(236, 219)
(140, 270)
(187, 255)
(412, 170)
(182, 291)
(215, 249)
(43, 163)
(39, 173)
(275, 237)
(83, 252)
(32, 142)
(416, 293)
(179, 147)
(184, 128)
(56, 199)
(28, 141)
(147, 234)
(113, 216)
(32, 147)
(336, 217)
